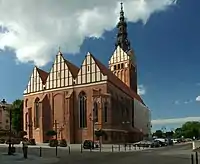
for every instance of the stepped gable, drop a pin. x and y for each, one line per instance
(116, 81)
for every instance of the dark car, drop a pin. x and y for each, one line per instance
(169, 142)
(155, 144)
(88, 144)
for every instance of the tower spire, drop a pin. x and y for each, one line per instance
(122, 36)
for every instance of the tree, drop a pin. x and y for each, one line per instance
(189, 130)
(169, 134)
(99, 133)
(21, 134)
(51, 133)
(178, 133)
(17, 115)
(158, 133)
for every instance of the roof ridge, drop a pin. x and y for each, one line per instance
(43, 75)
(72, 67)
(116, 81)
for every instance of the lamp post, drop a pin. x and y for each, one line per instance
(125, 123)
(4, 104)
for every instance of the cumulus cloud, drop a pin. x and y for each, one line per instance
(174, 120)
(34, 29)
(141, 90)
(198, 98)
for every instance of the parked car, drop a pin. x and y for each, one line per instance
(88, 144)
(155, 144)
(143, 144)
(174, 141)
(169, 142)
(161, 141)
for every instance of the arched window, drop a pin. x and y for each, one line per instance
(82, 100)
(26, 121)
(26, 102)
(37, 113)
(95, 112)
(105, 111)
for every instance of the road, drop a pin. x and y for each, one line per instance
(169, 155)
(178, 154)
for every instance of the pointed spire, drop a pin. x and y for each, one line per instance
(122, 36)
(59, 51)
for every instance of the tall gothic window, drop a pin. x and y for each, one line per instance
(37, 113)
(26, 121)
(106, 112)
(82, 99)
(95, 112)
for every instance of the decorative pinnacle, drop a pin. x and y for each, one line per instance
(121, 6)
(59, 50)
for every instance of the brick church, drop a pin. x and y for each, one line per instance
(77, 101)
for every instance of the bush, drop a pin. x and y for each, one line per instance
(46, 141)
(53, 143)
(63, 143)
(2, 141)
(51, 133)
(21, 134)
(31, 141)
(14, 141)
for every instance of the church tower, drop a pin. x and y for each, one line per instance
(123, 63)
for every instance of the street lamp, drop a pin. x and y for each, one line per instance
(4, 104)
(125, 123)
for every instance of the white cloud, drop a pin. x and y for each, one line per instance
(188, 101)
(198, 98)
(141, 90)
(177, 102)
(174, 120)
(35, 28)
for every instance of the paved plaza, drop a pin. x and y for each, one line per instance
(166, 155)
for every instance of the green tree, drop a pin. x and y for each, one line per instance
(189, 129)
(17, 115)
(51, 133)
(99, 133)
(169, 134)
(178, 133)
(158, 133)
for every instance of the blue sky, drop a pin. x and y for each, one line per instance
(167, 49)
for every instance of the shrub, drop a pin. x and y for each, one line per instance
(21, 134)
(2, 141)
(46, 141)
(53, 143)
(14, 141)
(31, 141)
(51, 133)
(63, 143)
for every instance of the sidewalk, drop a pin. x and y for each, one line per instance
(18, 158)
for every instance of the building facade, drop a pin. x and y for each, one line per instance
(76, 102)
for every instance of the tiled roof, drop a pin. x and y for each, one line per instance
(73, 68)
(43, 75)
(116, 81)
